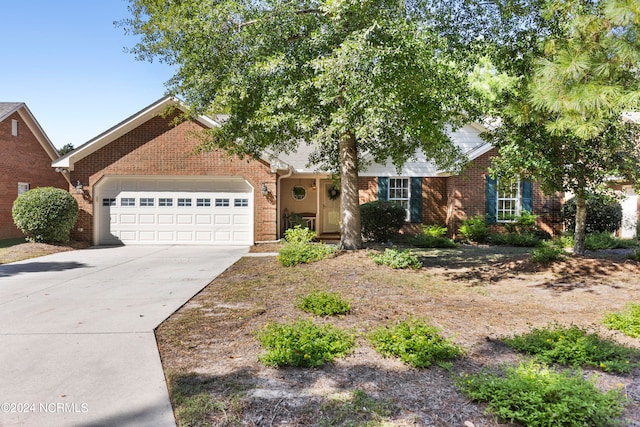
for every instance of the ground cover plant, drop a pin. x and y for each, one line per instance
(537, 396)
(395, 258)
(474, 295)
(548, 252)
(302, 343)
(324, 304)
(415, 342)
(626, 321)
(432, 236)
(574, 346)
(299, 247)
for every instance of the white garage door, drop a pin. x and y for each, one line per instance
(174, 211)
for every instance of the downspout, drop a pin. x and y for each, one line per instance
(278, 219)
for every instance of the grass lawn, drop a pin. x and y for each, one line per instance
(475, 295)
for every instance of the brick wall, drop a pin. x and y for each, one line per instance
(447, 201)
(159, 148)
(23, 160)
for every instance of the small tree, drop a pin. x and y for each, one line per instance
(45, 214)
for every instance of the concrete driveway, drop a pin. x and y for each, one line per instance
(76, 330)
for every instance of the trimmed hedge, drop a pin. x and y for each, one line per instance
(381, 220)
(45, 214)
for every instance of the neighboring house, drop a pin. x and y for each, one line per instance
(25, 163)
(142, 182)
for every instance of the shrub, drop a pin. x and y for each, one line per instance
(301, 253)
(474, 229)
(433, 236)
(525, 223)
(534, 395)
(298, 234)
(381, 220)
(415, 342)
(548, 252)
(515, 239)
(600, 240)
(627, 321)
(45, 214)
(397, 259)
(602, 215)
(324, 304)
(434, 230)
(575, 347)
(302, 343)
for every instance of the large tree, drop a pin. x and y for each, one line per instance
(562, 124)
(347, 77)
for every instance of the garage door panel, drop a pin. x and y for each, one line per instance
(181, 211)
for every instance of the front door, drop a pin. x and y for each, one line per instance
(330, 209)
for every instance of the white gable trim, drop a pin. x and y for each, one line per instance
(122, 128)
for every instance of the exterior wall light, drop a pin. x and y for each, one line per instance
(264, 189)
(79, 188)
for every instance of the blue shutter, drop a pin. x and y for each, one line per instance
(491, 200)
(527, 196)
(383, 188)
(415, 202)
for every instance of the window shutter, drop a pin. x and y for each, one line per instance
(491, 200)
(527, 196)
(415, 202)
(383, 188)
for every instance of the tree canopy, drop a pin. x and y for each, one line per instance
(347, 77)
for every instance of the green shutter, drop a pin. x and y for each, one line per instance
(491, 200)
(383, 188)
(415, 202)
(527, 196)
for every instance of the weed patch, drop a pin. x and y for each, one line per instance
(397, 259)
(324, 304)
(627, 321)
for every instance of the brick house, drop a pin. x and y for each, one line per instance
(143, 182)
(25, 163)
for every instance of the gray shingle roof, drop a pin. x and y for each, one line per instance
(7, 108)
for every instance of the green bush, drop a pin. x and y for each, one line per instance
(324, 304)
(415, 342)
(474, 229)
(381, 220)
(602, 215)
(575, 347)
(548, 252)
(515, 239)
(397, 259)
(302, 343)
(605, 240)
(45, 214)
(627, 321)
(301, 253)
(635, 255)
(298, 234)
(525, 223)
(434, 230)
(536, 396)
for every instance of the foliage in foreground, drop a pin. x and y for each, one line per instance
(415, 342)
(603, 215)
(535, 395)
(474, 229)
(605, 240)
(45, 214)
(302, 343)
(397, 259)
(548, 252)
(626, 321)
(575, 347)
(432, 236)
(299, 248)
(324, 304)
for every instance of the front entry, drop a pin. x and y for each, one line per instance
(330, 209)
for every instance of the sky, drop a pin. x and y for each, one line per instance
(66, 60)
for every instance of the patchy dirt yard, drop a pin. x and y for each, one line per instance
(474, 294)
(28, 250)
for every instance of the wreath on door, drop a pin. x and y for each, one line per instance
(333, 193)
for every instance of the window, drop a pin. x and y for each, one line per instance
(241, 203)
(222, 203)
(14, 127)
(146, 201)
(399, 192)
(23, 187)
(508, 199)
(203, 203)
(108, 202)
(127, 201)
(184, 203)
(165, 202)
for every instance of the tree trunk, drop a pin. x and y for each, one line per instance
(581, 226)
(350, 229)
